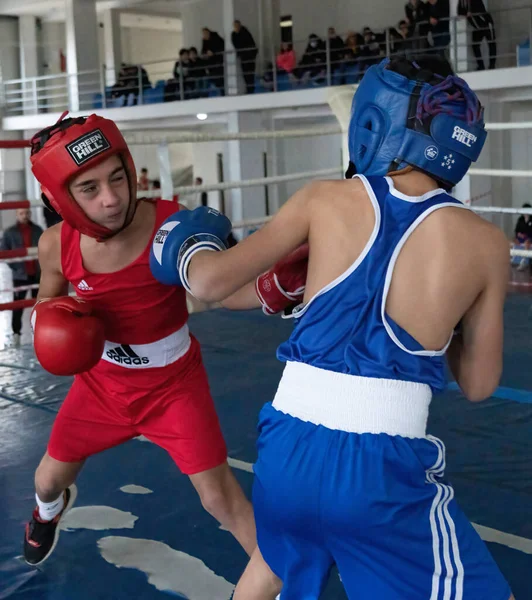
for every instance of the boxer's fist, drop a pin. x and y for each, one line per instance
(180, 237)
(284, 284)
(68, 338)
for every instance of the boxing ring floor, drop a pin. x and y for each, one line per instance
(121, 543)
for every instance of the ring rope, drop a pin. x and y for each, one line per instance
(188, 137)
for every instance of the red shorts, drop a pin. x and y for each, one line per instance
(171, 406)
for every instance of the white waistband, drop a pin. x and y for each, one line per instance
(353, 404)
(161, 353)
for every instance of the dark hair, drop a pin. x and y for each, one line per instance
(183, 51)
(425, 68)
(199, 179)
(526, 205)
(193, 49)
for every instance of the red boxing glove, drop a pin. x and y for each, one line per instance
(284, 284)
(68, 338)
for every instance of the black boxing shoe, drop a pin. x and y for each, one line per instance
(41, 537)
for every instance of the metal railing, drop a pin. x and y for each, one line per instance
(234, 73)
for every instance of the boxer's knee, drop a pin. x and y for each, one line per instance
(52, 477)
(220, 494)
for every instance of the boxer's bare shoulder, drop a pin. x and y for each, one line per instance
(52, 281)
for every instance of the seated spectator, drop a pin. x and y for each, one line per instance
(523, 237)
(267, 80)
(143, 183)
(197, 72)
(182, 76)
(313, 65)
(402, 42)
(212, 54)
(336, 49)
(371, 51)
(352, 52)
(286, 60)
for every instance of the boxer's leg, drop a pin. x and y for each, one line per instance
(222, 497)
(257, 582)
(85, 425)
(182, 419)
(52, 478)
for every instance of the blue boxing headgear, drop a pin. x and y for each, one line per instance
(426, 121)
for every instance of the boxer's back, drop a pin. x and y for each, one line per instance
(437, 261)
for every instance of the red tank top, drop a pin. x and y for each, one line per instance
(135, 307)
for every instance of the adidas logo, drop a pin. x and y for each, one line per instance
(124, 355)
(83, 285)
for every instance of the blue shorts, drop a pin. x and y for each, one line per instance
(376, 505)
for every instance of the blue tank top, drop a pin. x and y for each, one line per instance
(344, 327)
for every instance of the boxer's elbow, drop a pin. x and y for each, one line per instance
(206, 281)
(477, 389)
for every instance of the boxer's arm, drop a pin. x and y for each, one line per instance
(243, 299)
(52, 281)
(475, 354)
(214, 276)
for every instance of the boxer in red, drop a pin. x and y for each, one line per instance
(137, 369)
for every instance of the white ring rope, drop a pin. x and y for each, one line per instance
(230, 185)
(500, 172)
(222, 136)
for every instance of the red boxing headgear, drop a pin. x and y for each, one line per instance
(61, 152)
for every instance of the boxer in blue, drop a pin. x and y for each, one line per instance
(346, 472)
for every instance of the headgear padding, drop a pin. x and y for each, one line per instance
(423, 120)
(70, 147)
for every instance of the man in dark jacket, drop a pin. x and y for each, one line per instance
(246, 50)
(24, 234)
(439, 13)
(482, 25)
(417, 17)
(212, 54)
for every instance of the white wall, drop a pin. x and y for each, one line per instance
(144, 46)
(196, 15)
(315, 16)
(9, 52)
(204, 162)
(53, 40)
(306, 154)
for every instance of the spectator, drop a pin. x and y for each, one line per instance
(267, 80)
(313, 64)
(143, 183)
(439, 13)
(246, 50)
(482, 25)
(203, 196)
(417, 17)
(286, 60)
(212, 54)
(336, 49)
(402, 40)
(24, 234)
(197, 71)
(51, 216)
(182, 73)
(371, 51)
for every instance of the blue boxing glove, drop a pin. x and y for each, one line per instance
(180, 237)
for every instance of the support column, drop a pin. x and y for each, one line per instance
(245, 161)
(112, 45)
(81, 52)
(29, 63)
